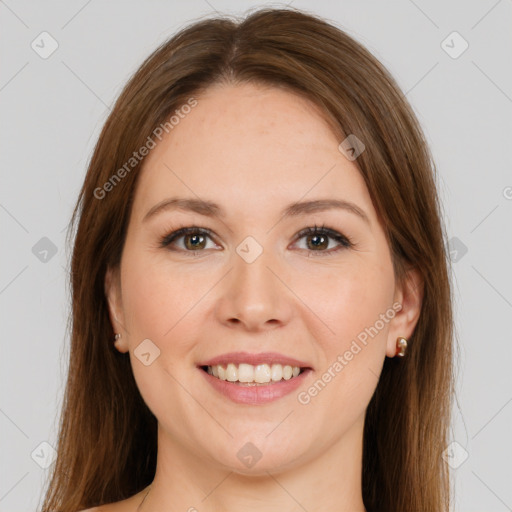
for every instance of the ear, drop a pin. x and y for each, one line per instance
(410, 296)
(115, 307)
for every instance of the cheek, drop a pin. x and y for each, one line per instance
(351, 303)
(156, 298)
(347, 299)
(361, 299)
(158, 304)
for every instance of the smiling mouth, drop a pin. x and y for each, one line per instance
(249, 375)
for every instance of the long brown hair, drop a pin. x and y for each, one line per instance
(107, 442)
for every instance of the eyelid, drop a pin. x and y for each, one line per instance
(176, 233)
(332, 233)
(344, 242)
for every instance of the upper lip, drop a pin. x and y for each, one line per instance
(254, 359)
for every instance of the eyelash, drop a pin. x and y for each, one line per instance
(346, 242)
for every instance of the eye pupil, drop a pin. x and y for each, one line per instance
(196, 238)
(322, 237)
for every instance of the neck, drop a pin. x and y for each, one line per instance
(328, 481)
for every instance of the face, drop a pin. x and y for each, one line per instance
(250, 278)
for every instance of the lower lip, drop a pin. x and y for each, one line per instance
(256, 395)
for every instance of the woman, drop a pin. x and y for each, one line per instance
(262, 313)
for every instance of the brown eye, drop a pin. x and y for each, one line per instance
(318, 239)
(195, 239)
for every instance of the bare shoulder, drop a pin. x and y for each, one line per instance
(127, 505)
(120, 506)
(111, 507)
(102, 508)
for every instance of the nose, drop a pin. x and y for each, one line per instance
(254, 296)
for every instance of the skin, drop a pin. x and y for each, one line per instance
(255, 150)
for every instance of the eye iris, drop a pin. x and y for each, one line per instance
(324, 238)
(195, 237)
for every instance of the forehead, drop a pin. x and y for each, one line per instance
(250, 147)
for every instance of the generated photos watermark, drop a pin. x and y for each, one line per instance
(342, 360)
(137, 157)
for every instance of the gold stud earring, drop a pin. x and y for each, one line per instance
(401, 346)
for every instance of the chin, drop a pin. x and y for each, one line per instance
(253, 457)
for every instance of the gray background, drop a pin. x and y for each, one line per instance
(52, 111)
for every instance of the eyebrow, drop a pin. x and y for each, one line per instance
(212, 209)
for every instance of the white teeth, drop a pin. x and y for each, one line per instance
(287, 372)
(262, 374)
(259, 374)
(277, 372)
(231, 373)
(245, 373)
